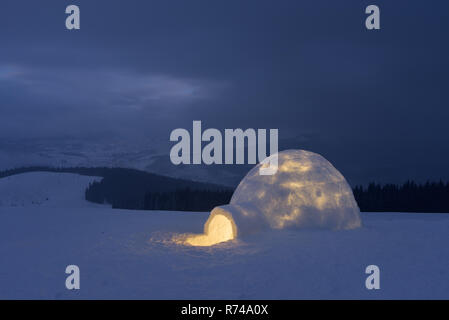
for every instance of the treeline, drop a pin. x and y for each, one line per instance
(135, 189)
(183, 199)
(187, 200)
(86, 171)
(138, 190)
(408, 197)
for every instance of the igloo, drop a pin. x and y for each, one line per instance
(305, 192)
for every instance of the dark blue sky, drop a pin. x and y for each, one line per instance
(375, 103)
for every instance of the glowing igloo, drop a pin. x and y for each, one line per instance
(306, 191)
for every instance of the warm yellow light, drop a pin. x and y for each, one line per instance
(218, 228)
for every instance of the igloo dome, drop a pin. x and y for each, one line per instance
(305, 192)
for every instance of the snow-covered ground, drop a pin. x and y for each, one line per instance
(49, 189)
(127, 254)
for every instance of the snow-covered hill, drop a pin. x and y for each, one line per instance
(127, 254)
(47, 189)
(149, 156)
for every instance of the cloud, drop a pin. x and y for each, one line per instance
(9, 72)
(108, 87)
(51, 102)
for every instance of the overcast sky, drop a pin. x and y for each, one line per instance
(375, 103)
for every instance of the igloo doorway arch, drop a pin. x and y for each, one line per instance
(305, 192)
(219, 227)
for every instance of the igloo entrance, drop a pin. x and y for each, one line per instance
(219, 227)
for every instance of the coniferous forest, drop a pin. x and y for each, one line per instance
(408, 197)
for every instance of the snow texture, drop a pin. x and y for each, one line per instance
(124, 254)
(47, 189)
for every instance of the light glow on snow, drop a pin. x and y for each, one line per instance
(321, 261)
(218, 228)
